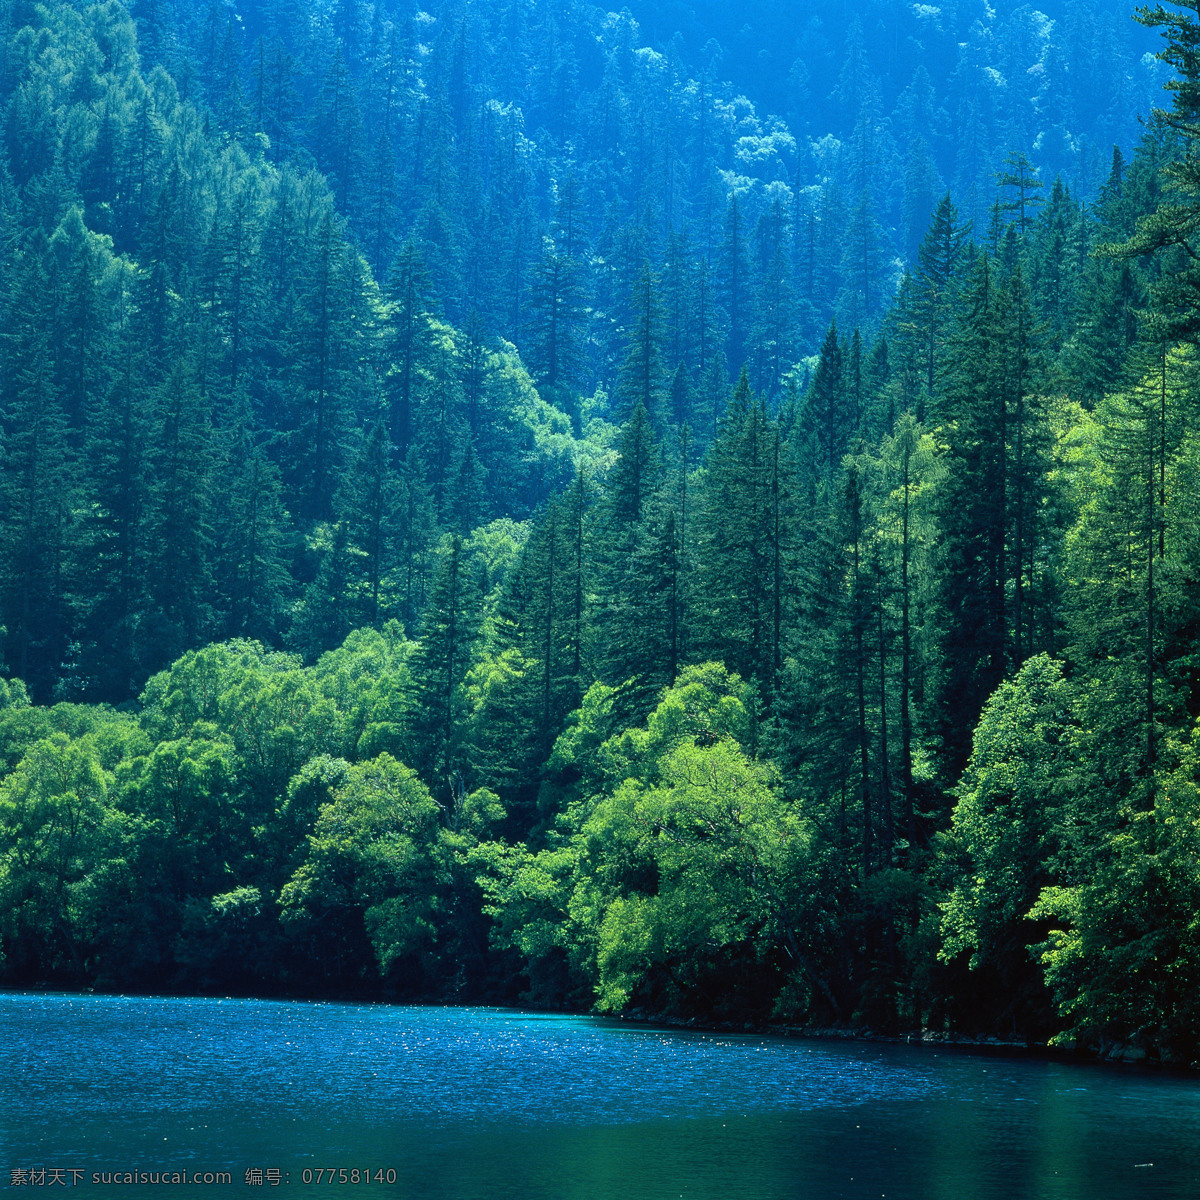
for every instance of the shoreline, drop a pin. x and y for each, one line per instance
(1113, 1053)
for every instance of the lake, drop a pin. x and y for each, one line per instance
(496, 1104)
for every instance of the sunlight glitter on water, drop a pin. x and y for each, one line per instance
(466, 1103)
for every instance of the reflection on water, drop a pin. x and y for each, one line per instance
(490, 1103)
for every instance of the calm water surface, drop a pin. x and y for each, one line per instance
(502, 1105)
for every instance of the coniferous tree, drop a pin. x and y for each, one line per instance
(641, 382)
(974, 517)
(249, 538)
(111, 568)
(37, 481)
(1020, 176)
(862, 264)
(776, 319)
(735, 281)
(1095, 358)
(990, 501)
(179, 519)
(337, 134)
(417, 538)
(1054, 268)
(556, 313)
(827, 418)
(321, 372)
(370, 497)
(575, 573)
(677, 287)
(164, 261)
(741, 534)
(1170, 230)
(1125, 538)
(909, 465)
(235, 286)
(939, 257)
(682, 398)
(80, 261)
(449, 628)
(633, 484)
(408, 342)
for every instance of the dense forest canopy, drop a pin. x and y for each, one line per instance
(666, 511)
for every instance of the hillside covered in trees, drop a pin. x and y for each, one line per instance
(653, 511)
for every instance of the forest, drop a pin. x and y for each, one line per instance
(670, 513)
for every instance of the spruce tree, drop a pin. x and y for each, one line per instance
(630, 516)
(369, 500)
(179, 519)
(741, 536)
(735, 281)
(1172, 229)
(111, 567)
(990, 502)
(1020, 177)
(449, 628)
(250, 540)
(407, 338)
(641, 382)
(36, 482)
(939, 257)
(826, 406)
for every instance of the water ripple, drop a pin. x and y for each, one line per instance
(430, 1064)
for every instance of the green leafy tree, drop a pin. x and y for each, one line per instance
(57, 835)
(680, 881)
(362, 901)
(1120, 953)
(1005, 838)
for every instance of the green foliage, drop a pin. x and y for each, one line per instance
(57, 837)
(369, 682)
(681, 878)
(709, 886)
(990, 499)
(1122, 956)
(1005, 844)
(821, 695)
(369, 866)
(272, 711)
